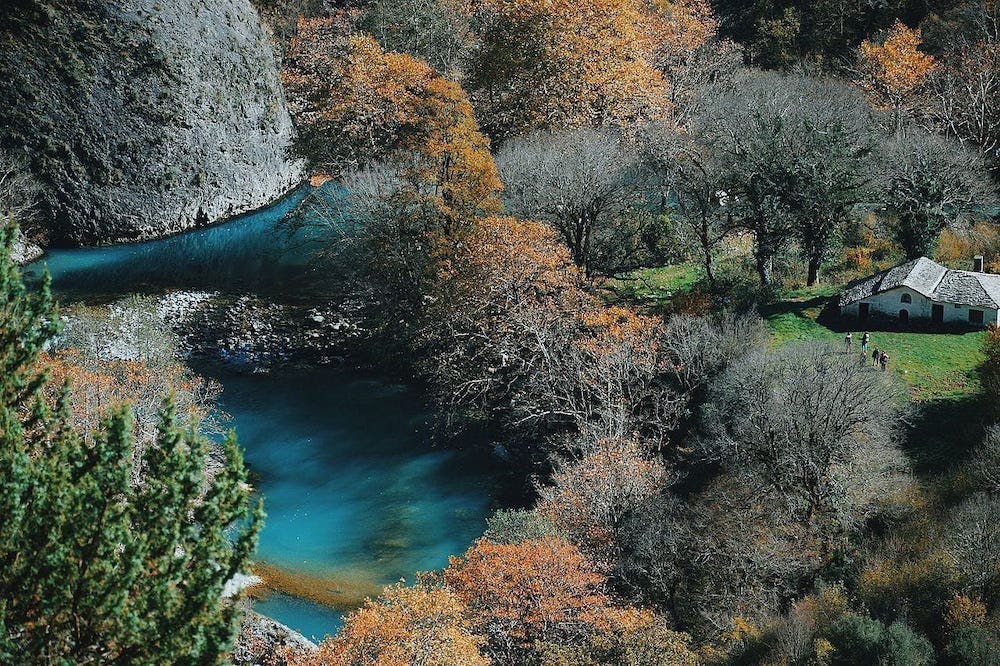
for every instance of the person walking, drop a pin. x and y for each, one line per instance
(848, 341)
(865, 339)
(875, 356)
(883, 360)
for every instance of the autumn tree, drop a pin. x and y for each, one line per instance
(96, 568)
(966, 88)
(514, 339)
(894, 73)
(589, 497)
(405, 626)
(517, 594)
(633, 638)
(124, 354)
(355, 104)
(792, 148)
(436, 31)
(730, 550)
(590, 186)
(688, 51)
(563, 64)
(813, 425)
(925, 182)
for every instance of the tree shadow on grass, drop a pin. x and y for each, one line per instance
(941, 433)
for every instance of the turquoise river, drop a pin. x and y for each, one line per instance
(356, 495)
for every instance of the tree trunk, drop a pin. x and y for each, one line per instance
(765, 265)
(814, 265)
(706, 248)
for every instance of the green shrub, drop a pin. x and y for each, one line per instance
(971, 646)
(858, 639)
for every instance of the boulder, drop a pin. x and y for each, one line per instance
(142, 118)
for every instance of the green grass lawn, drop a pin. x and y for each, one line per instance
(936, 366)
(941, 369)
(654, 286)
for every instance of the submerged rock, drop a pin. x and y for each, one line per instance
(141, 118)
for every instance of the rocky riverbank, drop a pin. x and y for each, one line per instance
(265, 642)
(252, 332)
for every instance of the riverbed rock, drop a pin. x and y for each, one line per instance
(265, 642)
(24, 251)
(141, 118)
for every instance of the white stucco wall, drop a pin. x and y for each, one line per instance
(889, 304)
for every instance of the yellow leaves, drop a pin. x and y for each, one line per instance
(534, 590)
(503, 263)
(565, 63)
(353, 102)
(894, 70)
(610, 330)
(406, 626)
(961, 611)
(678, 28)
(590, 496)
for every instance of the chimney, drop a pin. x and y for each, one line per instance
(977, 263)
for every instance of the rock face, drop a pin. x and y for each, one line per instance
(265, 642)
(141, 118)
(24, 251)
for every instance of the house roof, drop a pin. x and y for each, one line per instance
(932, 280)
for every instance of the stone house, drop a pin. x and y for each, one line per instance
(926, 290)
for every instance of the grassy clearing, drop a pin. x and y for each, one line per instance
(656, 286)
(936, 366)
(940, 369)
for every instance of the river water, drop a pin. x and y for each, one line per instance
(356, 494)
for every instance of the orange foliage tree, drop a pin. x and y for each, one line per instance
(686, 47)
(633, 636)
(354, 103)
(560, 63)
(517, 594)
(99, 385)
(893, 72)
(406, 626)
(590, 497)
(512, 336)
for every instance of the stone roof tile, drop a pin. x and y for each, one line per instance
(932, 280)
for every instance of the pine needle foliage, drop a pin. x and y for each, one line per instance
(94, 568)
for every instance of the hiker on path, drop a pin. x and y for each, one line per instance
(875, 356)
(848, 341)
(883, 360)
(865, 339)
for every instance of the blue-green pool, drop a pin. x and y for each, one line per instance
(356, 494)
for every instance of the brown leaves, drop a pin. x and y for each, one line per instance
(565, 63)
(541, 590)
(354, 103)
(894, 71)
(406, 626)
